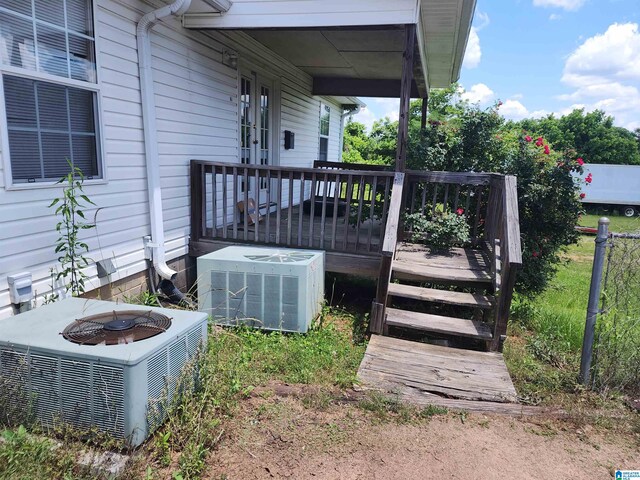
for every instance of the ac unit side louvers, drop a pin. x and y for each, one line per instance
(123, 390)
(270, 288)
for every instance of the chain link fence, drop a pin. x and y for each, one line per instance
(613, 318)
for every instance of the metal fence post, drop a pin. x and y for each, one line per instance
(594, 300)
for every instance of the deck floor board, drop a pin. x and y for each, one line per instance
(412, 368)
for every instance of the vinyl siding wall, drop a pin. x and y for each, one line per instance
(197, 117)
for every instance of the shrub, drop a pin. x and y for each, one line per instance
(442, 232)
(470, 139)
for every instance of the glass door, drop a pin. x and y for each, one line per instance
(256, 120)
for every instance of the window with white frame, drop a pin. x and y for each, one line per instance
(50, 91)
(325, 117)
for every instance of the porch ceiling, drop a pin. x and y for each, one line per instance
(360, 41)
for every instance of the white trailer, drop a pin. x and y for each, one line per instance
(613, 186)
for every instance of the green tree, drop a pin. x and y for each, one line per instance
(592, 136)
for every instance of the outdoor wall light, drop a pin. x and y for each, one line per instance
(230, 58)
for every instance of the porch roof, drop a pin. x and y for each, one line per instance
(353, 47)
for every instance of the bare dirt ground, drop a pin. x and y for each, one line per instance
(309, 437)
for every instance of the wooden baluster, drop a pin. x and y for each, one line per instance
(290, 209)
(349, 195)
(468, 201)
(425, 187)
(257, 189)
(456, 198)
(372, 209)
(301, 209)
(235, 203)
(336, 205)
(446, 198)
(385, 209)
(360, 202)
(225, 201)
(479, 190)
(323, 217)
(279, 207)
(195, 174)
(413, 191)
(214, 201)
(245, 176)
(312, 211)
(434, 203)
(268, 214)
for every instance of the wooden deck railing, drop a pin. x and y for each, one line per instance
(389, 243)
(337, 210)
(502, 234)
(431, 192)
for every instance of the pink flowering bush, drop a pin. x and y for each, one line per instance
(467, 138)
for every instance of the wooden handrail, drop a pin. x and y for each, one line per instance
(278, 168)
(393, 219)
(512, 228)
(460, 178)
(376, 323)
(352, 166)
(503, 229)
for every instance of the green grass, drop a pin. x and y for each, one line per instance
(618, 223)
(543, 353)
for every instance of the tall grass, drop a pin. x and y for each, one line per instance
(544, 354)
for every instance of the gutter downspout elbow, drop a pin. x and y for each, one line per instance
(147, 95)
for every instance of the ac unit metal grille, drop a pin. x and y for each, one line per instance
(157, 370)
(108, 399)
(194, 339)
(45, 380)
(75, 391)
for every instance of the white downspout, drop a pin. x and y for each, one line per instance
(147, 94)
(342, 118)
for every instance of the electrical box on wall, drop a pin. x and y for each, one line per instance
(20, 287)
(289, 140)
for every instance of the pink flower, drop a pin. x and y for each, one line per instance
(539, 142)
(528, 138)
(580, 161)
(535, 254)
(499, 103)
(589, 178)
(546, 150)
(582, 195)
(460, 211)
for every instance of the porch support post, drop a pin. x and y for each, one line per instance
(423, 117)
(405, 94)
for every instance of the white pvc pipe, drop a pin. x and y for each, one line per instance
(147, 94)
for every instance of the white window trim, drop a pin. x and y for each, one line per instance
(324, 103)
(68, 82)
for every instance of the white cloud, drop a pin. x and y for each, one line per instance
(376, 109)
(513, 110)
(604, 73)
(473, 53)
(365, 116)
(569, 5)
(555, 16)
(478, 93)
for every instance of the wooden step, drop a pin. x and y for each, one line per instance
(441, 296)
(414, 271)
(438, 324)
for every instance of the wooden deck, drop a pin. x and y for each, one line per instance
(419, 371)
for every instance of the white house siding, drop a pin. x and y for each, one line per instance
(196, 105)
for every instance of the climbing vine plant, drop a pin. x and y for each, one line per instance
(70, 248)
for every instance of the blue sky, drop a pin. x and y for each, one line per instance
(549, 56)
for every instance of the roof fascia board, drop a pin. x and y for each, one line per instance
(245, 14)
